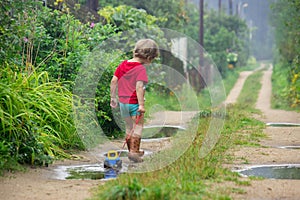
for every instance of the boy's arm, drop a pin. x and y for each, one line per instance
(140, 95)
(113, 91)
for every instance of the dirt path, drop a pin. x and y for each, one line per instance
(38, 184)
(270, 189)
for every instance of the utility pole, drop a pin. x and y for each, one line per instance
(230, 7)
(201, 42)
(201, 22)
(220, 6)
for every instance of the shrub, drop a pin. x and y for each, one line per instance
(36, 117)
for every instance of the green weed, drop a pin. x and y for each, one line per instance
(36, 117)
(249, 93)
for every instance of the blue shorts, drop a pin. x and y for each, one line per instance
(129, 110)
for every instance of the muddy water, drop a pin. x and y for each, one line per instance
(289, 147)
(86, 172)
(283, 124)
(284, 171)
(97, 171)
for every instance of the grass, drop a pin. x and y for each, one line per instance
(191, 176)
(249, 93)
(36, 121)
(280, 90)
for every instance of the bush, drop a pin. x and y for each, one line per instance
(36, 117)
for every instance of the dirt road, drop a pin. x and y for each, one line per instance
(270, 153)
(37, 183)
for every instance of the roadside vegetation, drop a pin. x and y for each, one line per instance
(286, 77)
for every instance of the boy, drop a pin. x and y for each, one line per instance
(130, 78)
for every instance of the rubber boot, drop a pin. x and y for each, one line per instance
(140, 152)
(135, 153)
(128, 142)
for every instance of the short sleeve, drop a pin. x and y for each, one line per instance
(142, 74)
(118, 72)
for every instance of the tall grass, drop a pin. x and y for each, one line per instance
(35, 116)
(250, 91)
(280, 88)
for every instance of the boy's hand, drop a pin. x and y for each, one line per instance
(141, 109)
(113, 102)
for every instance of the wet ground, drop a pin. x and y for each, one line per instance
(153, 135)
(277, 160)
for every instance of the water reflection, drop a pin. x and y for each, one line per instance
(273, 171)
(111, 173)
(85, 172)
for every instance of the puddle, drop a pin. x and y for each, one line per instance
(289, 147)
(287, 171)
(150, 132)
(283, 124)
(97, 171)
(85, 172)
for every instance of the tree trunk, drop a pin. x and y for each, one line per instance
(93, 4)
(201, 42)
(230, 7)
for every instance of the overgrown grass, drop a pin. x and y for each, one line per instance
(230, 81)
(35, 117)
(280, 89)
(192, 177)
(250, 91)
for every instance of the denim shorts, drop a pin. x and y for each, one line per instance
(129, 110)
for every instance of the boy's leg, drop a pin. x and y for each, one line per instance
(128, 128)
(135, 140)
(125, 113)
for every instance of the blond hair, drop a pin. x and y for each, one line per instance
(146, 49)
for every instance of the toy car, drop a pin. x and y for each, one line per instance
(112, 160)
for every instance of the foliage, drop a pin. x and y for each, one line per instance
(53, 41)
(36, 117)
(126, 17)
(7, 161)
(225, 33)
(222, 34)
(171, 12)
(280, 87)
(134, 190)
(285, 19)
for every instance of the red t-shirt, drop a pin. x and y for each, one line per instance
(128, 74)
